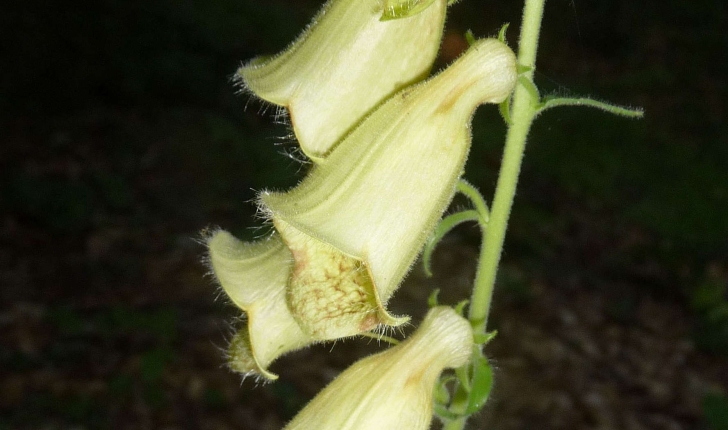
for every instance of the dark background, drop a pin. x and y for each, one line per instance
(121, 137)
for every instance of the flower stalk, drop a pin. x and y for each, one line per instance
(522, 114)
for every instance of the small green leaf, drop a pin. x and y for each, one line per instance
(482, 383)
(441, 393)
(432, 300)
(531, 88)
(404, 9)
(484, 338)
(505, 110)
(460, 307)
(521, 69)
(443, 228)
(460, 397)
(551, 102)
(445, 413)
(502, 32)
(469, 37)
(463, 377)
(474, 195)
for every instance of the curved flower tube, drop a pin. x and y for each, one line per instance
(254, 276)
(367, 209)
(345, 63)
(392, 390)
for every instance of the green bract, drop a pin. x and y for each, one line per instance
(395, 9)
(343, 65)
(356, 223)
(392, 390)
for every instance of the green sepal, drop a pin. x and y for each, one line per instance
(460, 307)
(445, 413)
(484, 338)
(521, 69)
(468, 190)
(505, 110)
(480, 214)
(531, 88)
(432, 300)
(469, 37)
(502, 32)
(464, 378)
(460, 397)
(441, 393)
(404, 9)
(481, 385)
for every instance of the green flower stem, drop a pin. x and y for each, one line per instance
(524, 109)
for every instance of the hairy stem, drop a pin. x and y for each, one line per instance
(524, 109)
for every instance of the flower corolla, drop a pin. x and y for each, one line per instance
(392, 390)
(347, 61)
(357, 222)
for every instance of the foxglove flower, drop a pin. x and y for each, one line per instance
(254, 276)
(344, 64)
(392, 390)
(356, 223)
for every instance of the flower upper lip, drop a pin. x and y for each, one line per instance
(342, 66)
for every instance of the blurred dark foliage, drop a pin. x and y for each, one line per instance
(121, 137)
(67, 56)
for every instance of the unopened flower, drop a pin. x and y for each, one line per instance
(343, 65)
(356, 223)
(392, 390)
(254, 276)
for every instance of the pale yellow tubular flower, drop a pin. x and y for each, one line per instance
(369, 207)
(392, 390)
(254, 276)
(343, 65)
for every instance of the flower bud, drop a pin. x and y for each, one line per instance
(254, 276)
(392, 390)
(356, 223)
(343, 65)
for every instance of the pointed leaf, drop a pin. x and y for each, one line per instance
(482, 383)
(443, 228)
